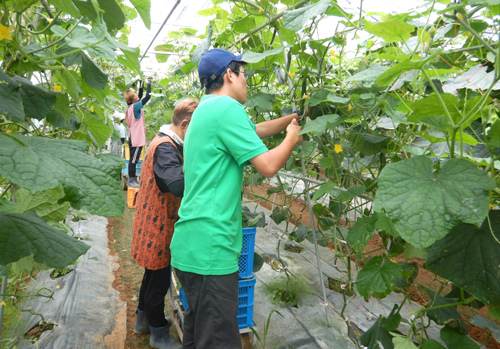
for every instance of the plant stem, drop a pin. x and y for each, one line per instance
(72, 52)
(60, 39)
(473, 32)
(441, 101)
(272, 20)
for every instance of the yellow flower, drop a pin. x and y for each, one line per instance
(58, 286)
(260, 9)
(338, 148)
(492, 207)
(49, 20)
(92, 109)
(460, 16)
(332, 52)
(5, 32)
(291, 74)
(349, 108)
(197, 78)
(57, 88)
(3, 304)
(9, 131)
(469, 33)
(305, 96)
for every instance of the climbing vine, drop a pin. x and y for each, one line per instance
(402, 140)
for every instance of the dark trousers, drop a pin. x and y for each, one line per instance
(135, 154)
(154, 288)
(210, 321)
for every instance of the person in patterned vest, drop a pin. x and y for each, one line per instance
(160, 191)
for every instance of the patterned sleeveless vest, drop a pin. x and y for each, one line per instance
(155, 216)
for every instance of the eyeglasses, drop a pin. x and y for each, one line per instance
(245, 74)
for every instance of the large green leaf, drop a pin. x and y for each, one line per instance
(323, 189)
(261, 101)
(57, 120)
(44, 203)
(480, 321)
(24, 234)
(396, 70)
(92, 74)
(295, 19)
(369, 74)
(81, 37)
(99, 130)
(67, 6)
(391, 30)
(86, 8)
(42, 164)
(255, 57)
(202, 47)
(132, 57)
(318, 97)
(453, 339)
(441, 316)
(425, 204)
(377, 334)
(144, 8)
(71, 85)
(320, 124)
(378, 275)
(451, 258)
(361, 232)
(113, 14)
(21, 5)
(431, 106)
(403, 342)
(368, 144)
(12, 104)
(37, 101)
(431, 344)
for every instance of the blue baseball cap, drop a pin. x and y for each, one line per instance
(215, 61)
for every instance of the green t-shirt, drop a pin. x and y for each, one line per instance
(219, 143)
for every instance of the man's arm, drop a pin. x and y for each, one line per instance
(270, 128)
(270, 162)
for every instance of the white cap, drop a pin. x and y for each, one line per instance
(119, 115)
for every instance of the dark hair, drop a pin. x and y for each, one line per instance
(212, 86)
(184, 110)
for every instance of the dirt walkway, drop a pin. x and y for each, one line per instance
(129, 276)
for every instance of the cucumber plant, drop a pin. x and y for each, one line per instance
(403, 132)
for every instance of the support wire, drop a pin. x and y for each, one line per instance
(159, 30)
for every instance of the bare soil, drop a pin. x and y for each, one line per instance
(128, 277)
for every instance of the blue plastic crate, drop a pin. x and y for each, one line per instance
(245, 262)
(246, 294)
(183, 299)
(137, 168)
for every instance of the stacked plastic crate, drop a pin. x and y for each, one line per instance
(247, 281)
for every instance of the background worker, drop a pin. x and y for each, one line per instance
(122, 129)
(137, 126)
(159, 198)
(220, 142)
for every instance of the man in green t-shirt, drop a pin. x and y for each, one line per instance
(220, 142)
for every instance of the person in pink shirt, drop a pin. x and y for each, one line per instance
(137, 128)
